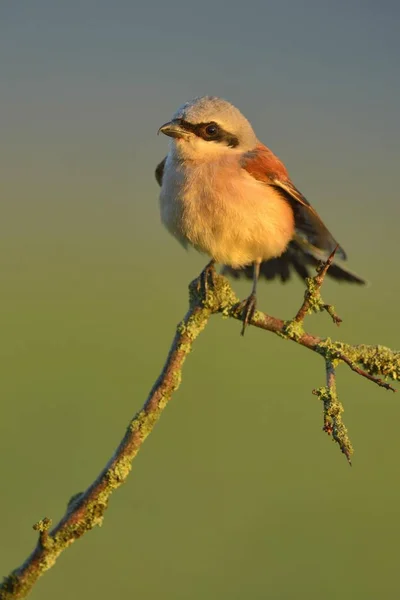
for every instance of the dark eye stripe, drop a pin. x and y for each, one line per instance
(199, 129)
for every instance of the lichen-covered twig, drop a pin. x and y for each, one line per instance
(333, 424)
(312, 296)
(86, 510)
(365, 373)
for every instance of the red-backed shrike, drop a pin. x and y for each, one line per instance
(227, 195)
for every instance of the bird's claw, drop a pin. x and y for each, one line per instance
(248, 308)
(206, 280)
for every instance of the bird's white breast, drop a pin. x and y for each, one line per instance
(221, 210)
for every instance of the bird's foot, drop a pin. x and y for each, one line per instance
(248, 308)
(206, 280)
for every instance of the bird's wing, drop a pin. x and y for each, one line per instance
(160, 171)
(263, 165)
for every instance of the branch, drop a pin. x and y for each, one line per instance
(86, 510)
(333, 424)
(312, 297)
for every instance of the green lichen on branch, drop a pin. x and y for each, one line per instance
(333, 409)
(379, 360)
(43, 527)
(376, 360)
(293, 330)
(209, 294)
(315, 302)
(312, 296)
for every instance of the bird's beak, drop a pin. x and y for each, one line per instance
(172, 129)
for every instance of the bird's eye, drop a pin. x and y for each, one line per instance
(211, 130)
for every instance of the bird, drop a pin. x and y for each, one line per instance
(229, 196)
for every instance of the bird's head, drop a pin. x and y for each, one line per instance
(207, 127)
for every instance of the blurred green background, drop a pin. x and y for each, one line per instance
(237, 493)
